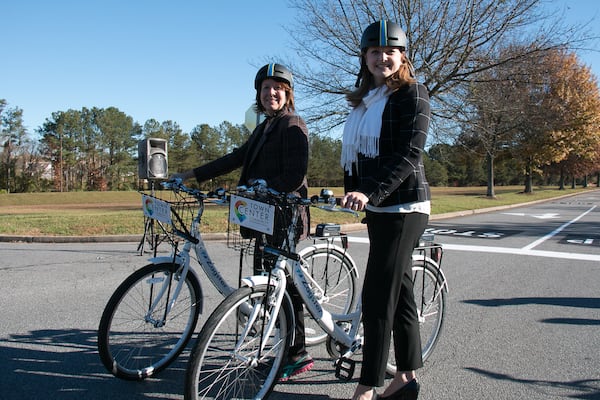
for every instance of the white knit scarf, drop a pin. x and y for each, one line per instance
(363, 126)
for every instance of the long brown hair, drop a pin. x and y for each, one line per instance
(404, 76)
(289, 98)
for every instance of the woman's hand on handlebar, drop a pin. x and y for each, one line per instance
(354, 201)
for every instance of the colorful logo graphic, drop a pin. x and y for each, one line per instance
(148, 204)
(238, 208)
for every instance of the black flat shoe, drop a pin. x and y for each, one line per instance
(410, 391)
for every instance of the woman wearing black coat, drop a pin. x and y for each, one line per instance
(277, 152)
(384, 139)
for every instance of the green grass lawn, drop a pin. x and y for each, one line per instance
(119, 213)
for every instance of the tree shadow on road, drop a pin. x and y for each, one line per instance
(579, 389)
(574, 302)
(64, 364)
(577, 302)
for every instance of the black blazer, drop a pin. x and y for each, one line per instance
(277, 151)
(397, 175)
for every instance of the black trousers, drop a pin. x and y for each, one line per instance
(387, 296)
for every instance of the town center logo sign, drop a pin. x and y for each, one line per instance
(252, 214)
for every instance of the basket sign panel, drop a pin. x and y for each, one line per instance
(156, 209)
(252, 214)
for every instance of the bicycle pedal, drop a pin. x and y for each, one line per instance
(344, 368)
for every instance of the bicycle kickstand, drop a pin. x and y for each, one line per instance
(344, 368)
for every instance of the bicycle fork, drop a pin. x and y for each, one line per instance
(166, 289)
(266, 312)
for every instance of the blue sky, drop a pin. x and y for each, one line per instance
(191, 62)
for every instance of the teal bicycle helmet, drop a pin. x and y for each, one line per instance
(275, 71)
(383, 34)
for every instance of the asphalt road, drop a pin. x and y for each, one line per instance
(523, 317)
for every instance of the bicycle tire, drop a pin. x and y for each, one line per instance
(131, 346)
(430, 297)
(225, 362)
(335, 274)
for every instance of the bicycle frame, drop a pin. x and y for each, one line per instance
(182, 258)
(292, 263)
(277, 279)
(164, 299)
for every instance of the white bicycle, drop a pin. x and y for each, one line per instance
(243, 345)
(153, 313)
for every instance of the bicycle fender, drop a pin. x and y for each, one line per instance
(253, 281)
(326, 246)
(165, 259)
(428, 260)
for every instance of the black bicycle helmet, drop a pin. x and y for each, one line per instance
(275, 71)
(383, 34)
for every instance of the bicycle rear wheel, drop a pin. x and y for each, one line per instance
(334, 284)
(227, 361)
(135, 343)
(430, 297)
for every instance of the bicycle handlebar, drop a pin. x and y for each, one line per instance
(177, 185)
(259, 188)
(334, 207)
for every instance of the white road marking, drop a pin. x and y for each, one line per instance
(557, 230)
(504, 250)
(525, 251)
(538, 216)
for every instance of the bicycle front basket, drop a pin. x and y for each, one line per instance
(174, 211)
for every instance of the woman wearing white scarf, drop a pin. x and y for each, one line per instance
(384, 138)
(361, 131)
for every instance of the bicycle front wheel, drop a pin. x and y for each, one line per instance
(137, 338)
(333, 281)
(233, 357)
(430, 298)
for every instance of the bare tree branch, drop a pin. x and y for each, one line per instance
(451, 42)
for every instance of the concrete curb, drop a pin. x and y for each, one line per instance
(223, 236)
